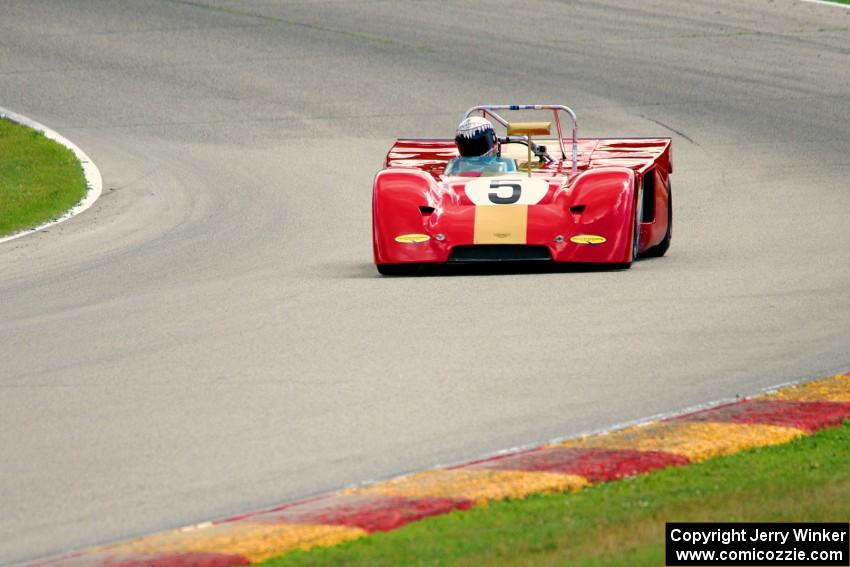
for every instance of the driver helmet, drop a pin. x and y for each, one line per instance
(475, 137)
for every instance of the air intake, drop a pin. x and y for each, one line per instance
(500, 253)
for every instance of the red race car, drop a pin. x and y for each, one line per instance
(527, 195)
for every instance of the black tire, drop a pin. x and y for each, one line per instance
(636, 234)
(635, 237)
(660, 249)
(398, 269)
(635, 242)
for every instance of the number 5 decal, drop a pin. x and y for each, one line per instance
(506, 191)
(497, 199)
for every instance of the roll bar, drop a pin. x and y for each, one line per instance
(489, 110)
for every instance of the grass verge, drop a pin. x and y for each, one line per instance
(39, 179)
(620, 523)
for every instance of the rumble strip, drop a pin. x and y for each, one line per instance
(353, 513)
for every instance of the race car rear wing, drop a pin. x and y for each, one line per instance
(489, 110)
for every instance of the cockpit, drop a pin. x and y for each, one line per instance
(480, 165)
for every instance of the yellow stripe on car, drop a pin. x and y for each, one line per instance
(501, 224)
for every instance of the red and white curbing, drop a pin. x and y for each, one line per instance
(775, 417)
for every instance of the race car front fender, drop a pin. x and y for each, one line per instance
(403, 201)
(590, 221)
(601, 212)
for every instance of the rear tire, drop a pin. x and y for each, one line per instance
(398, 269)
(660, 249)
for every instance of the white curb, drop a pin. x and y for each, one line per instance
(829, 3)
(94, 181)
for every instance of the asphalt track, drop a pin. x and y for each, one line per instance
(211, 336)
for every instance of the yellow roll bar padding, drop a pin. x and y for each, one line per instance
(529, 128)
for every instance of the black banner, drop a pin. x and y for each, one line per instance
(757, 544)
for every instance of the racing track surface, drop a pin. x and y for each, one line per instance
(211, 336)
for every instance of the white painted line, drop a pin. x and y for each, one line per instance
(829, 3)
(94, 181)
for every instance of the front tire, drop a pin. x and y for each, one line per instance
(661, 248)
(635, 243)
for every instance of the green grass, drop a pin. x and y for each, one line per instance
(839, 1)
(620, 523)
(39, 178)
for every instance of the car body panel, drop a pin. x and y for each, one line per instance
(583, 216)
